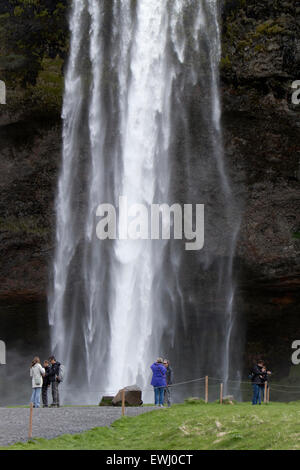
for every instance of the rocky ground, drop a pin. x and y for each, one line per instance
(52, 422)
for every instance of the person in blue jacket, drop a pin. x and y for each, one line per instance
(159, 381)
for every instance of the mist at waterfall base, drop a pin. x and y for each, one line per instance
(25, 331)
(141, 119)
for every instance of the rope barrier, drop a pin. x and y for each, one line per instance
(281, 388)
(288, 386)
(240, 382)
(285, 391)
(143, 390)
(249, 382)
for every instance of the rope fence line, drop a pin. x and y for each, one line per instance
(223, 381)
(280, 388)
(106, 392)
(285, 391)
(288, 386)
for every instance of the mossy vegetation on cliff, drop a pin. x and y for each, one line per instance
(47, 93)
(31, 30)
(259, 40)
(34, 45)
(28, 225)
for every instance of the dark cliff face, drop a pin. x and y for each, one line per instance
(30, 153)
(260, 60)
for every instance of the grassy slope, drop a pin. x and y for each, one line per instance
(212, 426)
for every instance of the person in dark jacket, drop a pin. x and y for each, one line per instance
(169, 380)
(159, 381)
(256, 375)
(46, 384)
(264, 379)
(54, 380)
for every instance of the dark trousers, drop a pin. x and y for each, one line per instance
(55, 393)
(45, 395)
(256, 394)
(168, 396)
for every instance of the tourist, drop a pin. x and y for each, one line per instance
(169, 380)
(46, 384)
(36, 372)
(54, 380)
(256, 375)
(159, 381)
(264, 380)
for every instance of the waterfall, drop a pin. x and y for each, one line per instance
(142, 120)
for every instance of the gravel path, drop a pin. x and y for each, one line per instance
(52, 422)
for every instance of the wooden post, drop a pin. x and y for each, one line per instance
(266, 392)
(269, 394)
(221, 394)
(123, 402)
(30, 421)
(206, 389)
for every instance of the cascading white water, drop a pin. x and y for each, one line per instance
(144, 141)
(141, 119)
(65, 234)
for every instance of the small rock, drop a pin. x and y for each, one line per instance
(106, 401)
(228, 400)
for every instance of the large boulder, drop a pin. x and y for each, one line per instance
(133, 396)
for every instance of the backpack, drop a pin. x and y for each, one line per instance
(60, 377)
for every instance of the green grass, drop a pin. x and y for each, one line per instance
(197, 426)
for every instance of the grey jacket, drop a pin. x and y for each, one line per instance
(169, 375)
(36, 372)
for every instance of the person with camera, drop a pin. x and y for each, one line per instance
(265, 374)
(256, 377)
(46, 384)
(169, 380)
(54, 380)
